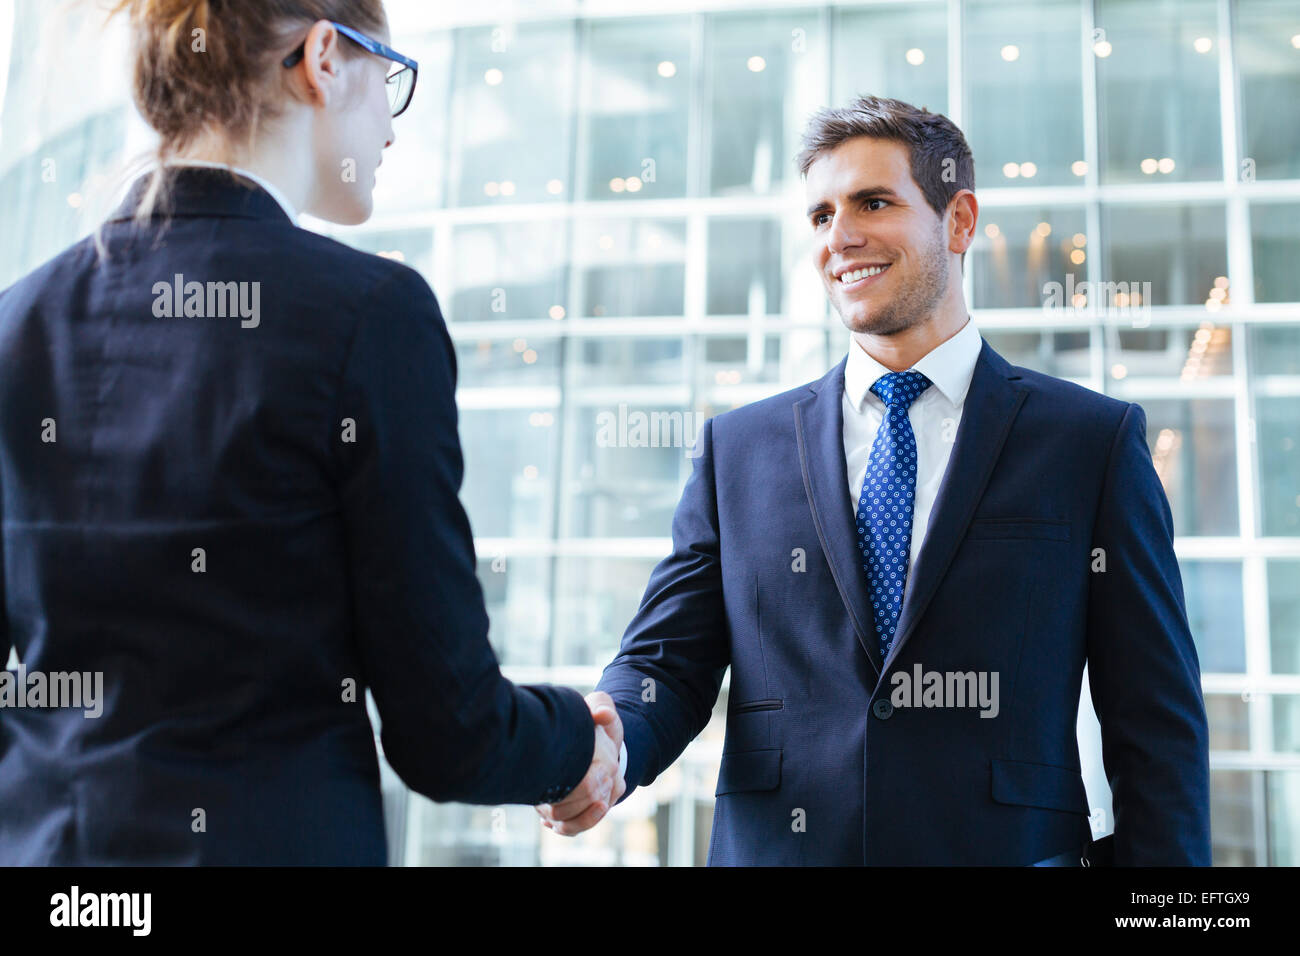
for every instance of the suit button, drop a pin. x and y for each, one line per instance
(883, 708)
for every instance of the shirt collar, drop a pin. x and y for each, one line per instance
(270, 187)
(949, 366)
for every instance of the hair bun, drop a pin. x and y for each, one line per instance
(222, 79)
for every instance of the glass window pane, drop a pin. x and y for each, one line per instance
(765, 71)
(727, 360)
(1229, 720)
(458, 834)
(1180, 249)
(525, 361)
(44, 192)
(1283, 795)
(1275, 366)
(1275, 351)
(1024, 91)
(745, 274)
(1158, 90)
(636, 96)
(508, 271)
(1212, 592)
(1277, 429)
(1284, 615)
(627, 463)
(510, 458)
(1063, 354)
(1188, 353)
(512, 113)
(517, 592)
(625, 361)
(1286, 723)
(411, 246)
(1268, 65)
(1029, 258)
(1232, 817)
(899, 51)
(1275, 248)
(631, 267)
(1192, 448)
(595, 598)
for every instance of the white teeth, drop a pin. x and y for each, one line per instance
(857, 274)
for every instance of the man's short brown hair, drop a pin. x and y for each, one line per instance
(941, 161)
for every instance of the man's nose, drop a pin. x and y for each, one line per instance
(843, 234)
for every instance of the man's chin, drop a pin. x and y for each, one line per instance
(869, 323)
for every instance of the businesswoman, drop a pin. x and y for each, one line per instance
(229, 470)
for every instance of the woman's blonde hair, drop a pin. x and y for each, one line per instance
(209, 66)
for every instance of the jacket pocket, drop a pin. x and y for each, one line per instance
(1039, 785)
(749, 770)
(772, 703)
(1049, 528)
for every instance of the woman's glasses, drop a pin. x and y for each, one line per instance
(401, 78)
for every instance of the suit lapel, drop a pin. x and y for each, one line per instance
(819, 429)
(991, 405)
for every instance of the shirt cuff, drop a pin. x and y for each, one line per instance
(622, 759)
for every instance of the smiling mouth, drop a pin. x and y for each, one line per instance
(858, 278)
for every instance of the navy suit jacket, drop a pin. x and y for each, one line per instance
(243, 526)
(819, 766)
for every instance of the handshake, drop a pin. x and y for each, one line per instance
(600, 789)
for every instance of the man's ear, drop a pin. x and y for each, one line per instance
(321, 63)
(963, 214)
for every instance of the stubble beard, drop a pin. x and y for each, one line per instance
(917, 297)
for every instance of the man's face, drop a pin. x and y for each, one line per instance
(866, 213)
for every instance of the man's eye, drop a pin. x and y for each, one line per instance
(820, 218)
(882, 201)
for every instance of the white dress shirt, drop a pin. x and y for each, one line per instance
(934, 417)
(266, 184)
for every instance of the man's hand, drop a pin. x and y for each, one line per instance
(600, 789)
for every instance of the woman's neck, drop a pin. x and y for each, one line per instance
(277, 160)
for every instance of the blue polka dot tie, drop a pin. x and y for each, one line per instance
(885, 505)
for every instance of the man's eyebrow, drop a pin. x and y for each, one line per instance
(861, 195)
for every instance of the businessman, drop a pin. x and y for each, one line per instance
(906, 565)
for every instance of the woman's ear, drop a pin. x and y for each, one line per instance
(319, 71)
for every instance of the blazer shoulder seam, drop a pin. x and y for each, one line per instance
(1110, 461)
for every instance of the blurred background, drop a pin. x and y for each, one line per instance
(603, 197)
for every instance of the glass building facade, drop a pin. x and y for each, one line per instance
(603, 197)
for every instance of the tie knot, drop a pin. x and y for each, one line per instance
(900, 388)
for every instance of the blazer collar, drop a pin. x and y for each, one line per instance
(202, 191)
(992, 402)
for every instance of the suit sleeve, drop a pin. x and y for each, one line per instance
(453, 727)
(1143, 669)
(666, 677)
(5, 640)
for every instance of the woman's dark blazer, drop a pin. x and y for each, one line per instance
(229, 473)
